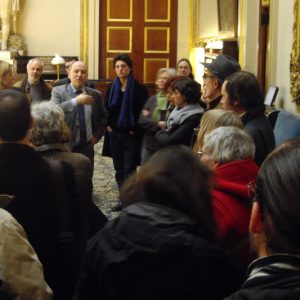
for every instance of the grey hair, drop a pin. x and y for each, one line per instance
(170, 71)
(227, 143)
(49, 124)
(36, 59)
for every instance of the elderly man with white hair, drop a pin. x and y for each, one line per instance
(229, 151)
(36, 89)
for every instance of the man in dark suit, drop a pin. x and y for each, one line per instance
(30, 181)
(84, 110)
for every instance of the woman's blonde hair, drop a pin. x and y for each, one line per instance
(213, 119)
(4, 68)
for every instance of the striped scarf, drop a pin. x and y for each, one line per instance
(280, 271)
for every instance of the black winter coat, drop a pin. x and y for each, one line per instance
(259, 128)
(28, 177)
(154, 252)
(275, 277)
(179, 135)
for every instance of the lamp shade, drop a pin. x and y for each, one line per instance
(214, 44)
(57, 60)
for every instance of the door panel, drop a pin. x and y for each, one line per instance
(119, 11)
(119, 39)
(145, 29)
(157, 11)
(157, 40)
(151, 65)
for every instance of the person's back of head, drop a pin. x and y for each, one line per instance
(213, 119)
(49, 125)
(227, 144)
(175, 178)
(15, 117)
(218, 117)
(277, 193)
(244, 90)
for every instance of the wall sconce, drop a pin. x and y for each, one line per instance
(212, 49)
(57, 60)
(217, 44)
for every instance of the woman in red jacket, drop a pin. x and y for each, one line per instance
(229, 151)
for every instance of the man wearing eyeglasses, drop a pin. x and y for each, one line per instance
(214, 76)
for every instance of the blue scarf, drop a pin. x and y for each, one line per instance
(126, 117)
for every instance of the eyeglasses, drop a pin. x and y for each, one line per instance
(252, 190)
(200, 153)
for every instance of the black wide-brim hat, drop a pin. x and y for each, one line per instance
(223, 66)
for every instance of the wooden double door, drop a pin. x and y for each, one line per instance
(146, 30)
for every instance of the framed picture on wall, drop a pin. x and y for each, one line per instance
(228, 18)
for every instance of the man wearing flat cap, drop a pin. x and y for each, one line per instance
(214, 76)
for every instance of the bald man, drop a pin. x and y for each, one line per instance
(66, 80)
(84, 110)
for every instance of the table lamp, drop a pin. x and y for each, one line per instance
(57, 60)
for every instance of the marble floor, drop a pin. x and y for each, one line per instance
(106, 191)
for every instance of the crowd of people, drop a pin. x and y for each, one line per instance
(203, 192)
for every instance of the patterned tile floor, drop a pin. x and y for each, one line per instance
(106, 192)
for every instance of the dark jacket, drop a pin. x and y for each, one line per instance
(181, 134)
(154, 252)
(215, 104)
(46, 88)
(261, 131)
(275, 277)
(29, 178)
(140, 95)
(83, 175)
